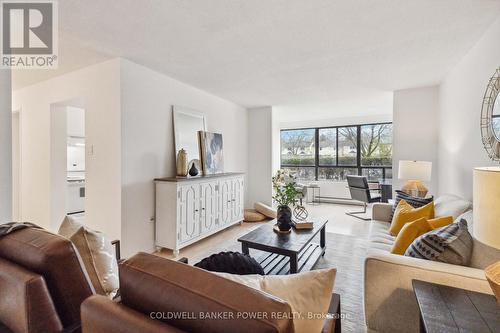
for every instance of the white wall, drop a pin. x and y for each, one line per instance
(5, 147)
(340, 121)
(260, 162)
(98, 88)
(275, 141)
(148, 147)
(16, 155)
(415, 130)
(461, 95)
(75, 121)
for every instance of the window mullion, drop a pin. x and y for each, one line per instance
(337, 146)
(358, 149)
(316, 153)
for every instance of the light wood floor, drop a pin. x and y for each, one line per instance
(338, 222)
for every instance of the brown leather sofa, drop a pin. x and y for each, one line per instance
(42, 283)
(154, 290)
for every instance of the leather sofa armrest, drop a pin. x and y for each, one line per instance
(332, 325)
(382, 212)
(25, 301)
(102, 315)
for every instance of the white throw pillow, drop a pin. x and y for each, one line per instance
(265, 210)
(450, 205)
(97, 254)
(308, 294)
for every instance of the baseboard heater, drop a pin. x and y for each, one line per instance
(339, 200)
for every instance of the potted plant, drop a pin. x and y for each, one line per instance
(285, 195)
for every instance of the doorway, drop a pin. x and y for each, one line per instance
(75, 160)
(67, 157)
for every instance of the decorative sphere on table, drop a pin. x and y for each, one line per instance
(300, 213)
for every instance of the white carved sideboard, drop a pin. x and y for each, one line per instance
(190, 209)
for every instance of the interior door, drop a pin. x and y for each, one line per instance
(189, 212)
(208, 202)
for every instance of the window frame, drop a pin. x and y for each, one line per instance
(317, 164)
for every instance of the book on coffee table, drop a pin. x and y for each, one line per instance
(303, 224)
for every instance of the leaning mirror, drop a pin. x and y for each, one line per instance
(187, 123)
(490, 117)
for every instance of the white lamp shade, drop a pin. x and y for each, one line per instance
(486, 210)
(415, 170)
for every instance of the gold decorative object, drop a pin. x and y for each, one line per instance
(182, 164)
(415, 188)
(492, 273)
(415, 172)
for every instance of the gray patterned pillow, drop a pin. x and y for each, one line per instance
(451, 244)
(415, 202)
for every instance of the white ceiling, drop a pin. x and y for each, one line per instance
(298, 54)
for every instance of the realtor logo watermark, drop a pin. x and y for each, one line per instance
(29, 34)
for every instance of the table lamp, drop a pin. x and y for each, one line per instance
(415, 172)
(486, 210)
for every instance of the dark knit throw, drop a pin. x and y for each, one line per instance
(10, 227)
(231, 262)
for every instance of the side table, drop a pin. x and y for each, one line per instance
(446, 309)
(316, 194)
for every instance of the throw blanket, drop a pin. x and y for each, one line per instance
(7, 228)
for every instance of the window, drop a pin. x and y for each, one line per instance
(298, 147)
(327, 146)
(348, 145)
(373, 174)
(302, 173)
(338, 174)
(332, 153)
(376, 145)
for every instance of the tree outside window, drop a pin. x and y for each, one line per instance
(376, 145)
(297, 147)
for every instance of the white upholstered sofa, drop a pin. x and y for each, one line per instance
(389, 301)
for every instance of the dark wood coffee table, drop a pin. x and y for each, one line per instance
(286, 253)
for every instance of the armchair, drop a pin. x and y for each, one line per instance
(361, 191)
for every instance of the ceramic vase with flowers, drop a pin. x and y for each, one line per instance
(285, 195)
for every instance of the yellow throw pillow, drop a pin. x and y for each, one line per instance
(440, 222)
(406, 213)
(412, 230)
(409, 233)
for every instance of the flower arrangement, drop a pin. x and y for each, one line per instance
(285, 193)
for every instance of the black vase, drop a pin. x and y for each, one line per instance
(284, 217)
(193, 171)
